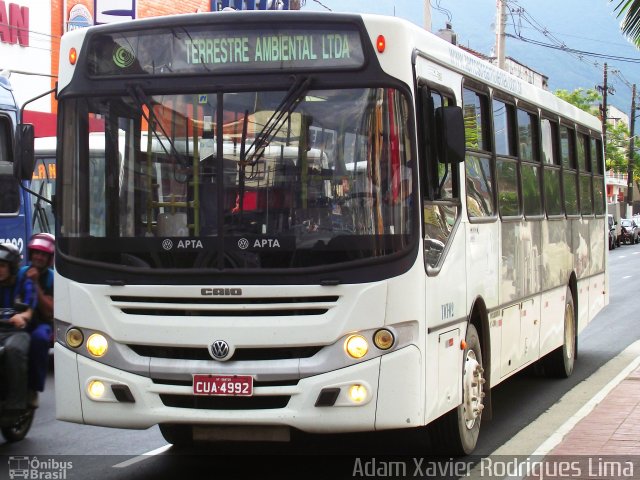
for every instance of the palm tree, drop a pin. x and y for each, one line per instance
(631, 22)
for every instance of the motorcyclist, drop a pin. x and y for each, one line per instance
(41, 249)
(13, 334)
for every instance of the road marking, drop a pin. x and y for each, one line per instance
(143, 457)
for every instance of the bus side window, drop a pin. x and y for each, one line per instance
(551, 177)
(9, 189)
(479, 174)
(569, 174)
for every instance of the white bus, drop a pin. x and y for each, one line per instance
(447, 231)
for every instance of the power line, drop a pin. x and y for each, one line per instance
(567, 49)
(558, 44)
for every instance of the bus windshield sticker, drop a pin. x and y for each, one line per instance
(163, 52)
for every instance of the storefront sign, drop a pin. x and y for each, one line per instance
(79, 17)
(14, 24)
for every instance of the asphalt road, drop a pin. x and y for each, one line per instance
(94, 451)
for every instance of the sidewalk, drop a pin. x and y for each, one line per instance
(612, 427)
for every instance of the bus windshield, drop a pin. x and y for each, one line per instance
(259, 179)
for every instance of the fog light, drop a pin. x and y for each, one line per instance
(356, 346)
(74, 337)
(357, 393)
(97, 345)
(383, 339)
(96, 389)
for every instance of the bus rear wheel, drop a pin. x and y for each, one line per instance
(559, 363)
(456, 433)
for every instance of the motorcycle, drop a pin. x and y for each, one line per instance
(14, 428)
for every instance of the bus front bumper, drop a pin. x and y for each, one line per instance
(399, 402)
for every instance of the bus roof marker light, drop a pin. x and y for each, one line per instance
(463, 344)
(73, 56)
(381, 43)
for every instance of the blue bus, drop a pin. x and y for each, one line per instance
(15, 211)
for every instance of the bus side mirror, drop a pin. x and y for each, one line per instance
(450, 134)
(24, 160)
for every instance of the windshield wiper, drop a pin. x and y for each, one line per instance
(137, 93)
(281, 114)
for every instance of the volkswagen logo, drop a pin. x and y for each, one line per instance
(219, 350)
(243, 244)
(167, 244)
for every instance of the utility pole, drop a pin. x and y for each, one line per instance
(427, 15)
(605, 89)
(501, 23)
(632, 123)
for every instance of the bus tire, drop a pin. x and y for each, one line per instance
(456, 432)
(559, 363)
(177, 434)
(19, 429)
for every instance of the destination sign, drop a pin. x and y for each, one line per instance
(163, 52)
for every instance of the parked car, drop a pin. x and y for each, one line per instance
(611, 228)
(629, 231)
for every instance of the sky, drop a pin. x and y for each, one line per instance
(590, 26)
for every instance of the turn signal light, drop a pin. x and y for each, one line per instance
(383, 339)
(74, 337)
(73, 56)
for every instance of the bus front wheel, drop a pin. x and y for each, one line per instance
(456, 432)
(559, 363)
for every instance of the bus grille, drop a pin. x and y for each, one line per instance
(224, 306)
(225, 403)
(241, 354)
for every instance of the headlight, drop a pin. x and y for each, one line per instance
(96, 389)
(97, 345)
(356, 346)
(357, 393)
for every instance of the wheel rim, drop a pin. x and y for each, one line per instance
(569, 332)
(473, 383)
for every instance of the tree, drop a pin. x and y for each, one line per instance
(586, 100)
(616, 148)
(631, 22)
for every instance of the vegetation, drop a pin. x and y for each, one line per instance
(630, 11)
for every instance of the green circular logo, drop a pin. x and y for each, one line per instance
(123, 57)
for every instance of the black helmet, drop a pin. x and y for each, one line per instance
(11, 254)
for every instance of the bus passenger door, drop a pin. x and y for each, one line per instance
(444, 255)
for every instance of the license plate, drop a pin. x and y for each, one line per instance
(223, 385)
